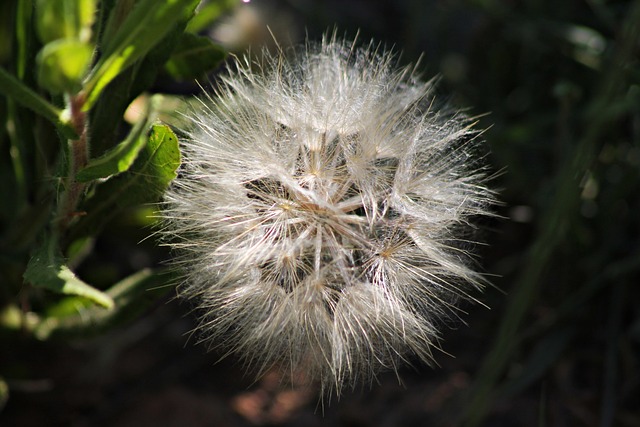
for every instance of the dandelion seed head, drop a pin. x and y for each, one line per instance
(321, 212)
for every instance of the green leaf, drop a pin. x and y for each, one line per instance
(120, 158)
(58, 19)
(22, 94)
(144, 182)
(152, 172)
(193, 57)
(62, 64)
(208, 13)
(115, 13)
(108, 111)
(144, 27)
(132, 296)
(163, 158)
(46, 269)
(24, 40)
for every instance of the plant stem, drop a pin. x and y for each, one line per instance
(78, 158)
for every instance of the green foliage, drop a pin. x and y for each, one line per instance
(149, 177)
(62, 64)
(17, 91)
(131, 296)
(210, 12)
(71, 69)
(146, 25)
(193, 57)
(130, 83)
(120, 158)
(61, 19)
(144, 182)
(156, 167)
(46, 269)
(560, 82)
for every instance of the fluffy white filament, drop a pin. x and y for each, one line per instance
(318, 213)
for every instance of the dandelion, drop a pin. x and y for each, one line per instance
(320, 214)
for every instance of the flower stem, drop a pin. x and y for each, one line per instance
(78, 158)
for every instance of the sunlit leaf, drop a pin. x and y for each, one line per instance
(108, 111)
(152, 172)
(144, 27)
(144, 182)
(120, 158)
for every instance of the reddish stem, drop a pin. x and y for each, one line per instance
(79, 156)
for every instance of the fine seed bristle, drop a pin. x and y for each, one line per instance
(321, 215)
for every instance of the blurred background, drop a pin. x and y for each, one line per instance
(556, 85)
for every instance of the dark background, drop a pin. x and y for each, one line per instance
(557, 86)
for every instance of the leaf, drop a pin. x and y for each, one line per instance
(152, 172)
(46, 270)
(58, 19)
(23, 95)
(144, 182)
(62, 64)
(193, 57)
(120, 158)
(209, 13)
(144, 27)
(108, 111)
(114, 13)
(132, 295)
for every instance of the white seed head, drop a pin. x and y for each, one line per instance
(318, 213)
